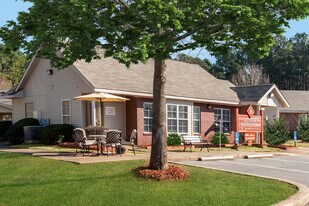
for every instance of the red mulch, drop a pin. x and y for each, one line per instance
(173, 173)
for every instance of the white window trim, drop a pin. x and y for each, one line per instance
(62, 115)
(197, 120)
(144, 103)
(177, 118)
(221, 121)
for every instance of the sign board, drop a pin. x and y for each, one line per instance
(250, 111)
(247, 124)
(249, 136)
(110, 111)
(237, 137)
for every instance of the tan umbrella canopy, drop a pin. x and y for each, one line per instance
(101, 97)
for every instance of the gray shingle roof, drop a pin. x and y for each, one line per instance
(298, 100)
(183, 79)
(251, 93)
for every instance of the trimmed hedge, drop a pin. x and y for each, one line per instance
(56, 133)
(173, 139)
(4, 127)
(216, 139)
(276, 132)
(16, 132)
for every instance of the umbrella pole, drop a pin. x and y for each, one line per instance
(102, 114)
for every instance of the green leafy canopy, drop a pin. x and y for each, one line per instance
(135, 30)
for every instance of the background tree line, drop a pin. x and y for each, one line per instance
(287, 64)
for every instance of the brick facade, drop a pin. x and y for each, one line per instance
(135, 120)
(291, 119)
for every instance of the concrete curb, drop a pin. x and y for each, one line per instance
(300, 198)
(215, 158)
(258, 156)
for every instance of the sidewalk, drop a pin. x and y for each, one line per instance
(142, 154)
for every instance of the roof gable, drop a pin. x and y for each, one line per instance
(259, 94)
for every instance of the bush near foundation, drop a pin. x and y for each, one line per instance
(173, 139)
(303, 128)
(276, 132)
(4, 127)
(216, 138)
(16, 132)
(56, 133)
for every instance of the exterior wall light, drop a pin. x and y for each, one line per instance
(50, 72)
(271, 95)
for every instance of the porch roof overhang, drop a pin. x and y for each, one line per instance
(13, 95)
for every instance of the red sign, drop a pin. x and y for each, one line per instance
(250, 111)
(247, 124)
(249, 136)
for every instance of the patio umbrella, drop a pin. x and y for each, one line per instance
(101, 97)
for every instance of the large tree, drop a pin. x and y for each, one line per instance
(136, 30)
(12, 65)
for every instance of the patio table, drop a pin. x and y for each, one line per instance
(101, 139)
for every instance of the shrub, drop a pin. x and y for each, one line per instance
(94, 130)
(173, 139)
(4, 127)
(276, 132)
(15, 133)
(303, 128)
(216, 138)
(56, 133)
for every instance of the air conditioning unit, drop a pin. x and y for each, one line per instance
(30, 134)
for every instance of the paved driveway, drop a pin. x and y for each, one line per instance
(293, 168)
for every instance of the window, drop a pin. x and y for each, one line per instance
(196, 119)
(65, 111)
(147, 117)
(29, 110)
(177, 118)
(222, 120)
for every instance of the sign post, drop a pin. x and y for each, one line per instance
(236, 140)
(295, 138)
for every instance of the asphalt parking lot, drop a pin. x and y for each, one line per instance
(293, 168)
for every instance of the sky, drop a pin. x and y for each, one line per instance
(9, 10)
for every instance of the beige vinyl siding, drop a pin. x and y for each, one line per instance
(5, 109)
(47, 91)
(18, 109)
(116, 121)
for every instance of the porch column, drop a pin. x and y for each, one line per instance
(93, 115)
(262, 127)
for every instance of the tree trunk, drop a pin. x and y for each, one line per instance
(158, 158)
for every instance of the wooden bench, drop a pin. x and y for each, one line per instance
(189, 141)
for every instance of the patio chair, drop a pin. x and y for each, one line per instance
(81, 140)
(113, 140)
(133, 139)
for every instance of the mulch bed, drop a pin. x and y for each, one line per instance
(173, 173)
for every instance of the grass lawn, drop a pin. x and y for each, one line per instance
(27, 180)
(299, 143)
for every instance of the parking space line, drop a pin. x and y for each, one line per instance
(287, 161)
(269, 167)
